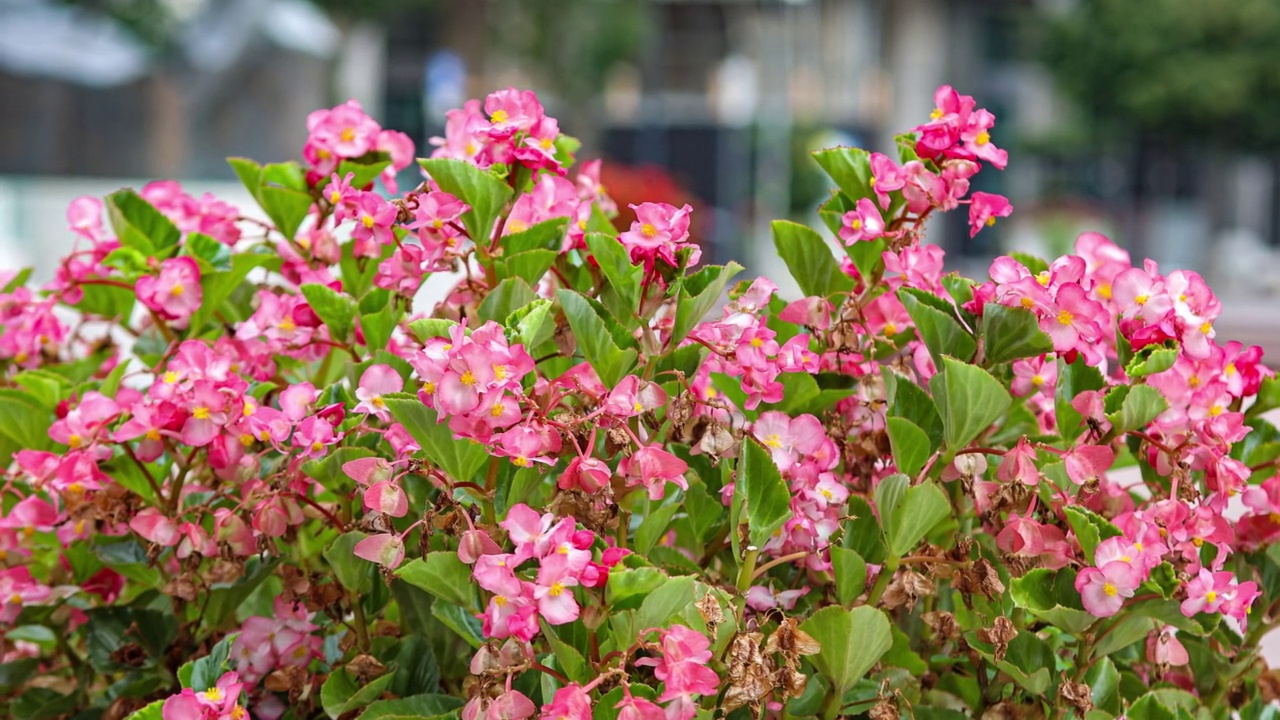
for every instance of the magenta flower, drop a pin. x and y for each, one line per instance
(1087, 463)
(587, 474)
(633, 396)
(1073, 320)
(659, 231)
(984, 210)
(1207, 592)
(886, 177)
(175, 293)
(862, 223)
(788, 439)
(374, 218)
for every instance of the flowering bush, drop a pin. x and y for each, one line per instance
(247, 476)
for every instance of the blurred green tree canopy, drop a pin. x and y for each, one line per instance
(1205, 72)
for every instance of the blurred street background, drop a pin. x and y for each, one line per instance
(1156, 122)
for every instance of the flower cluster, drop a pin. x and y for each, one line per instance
(585, 482)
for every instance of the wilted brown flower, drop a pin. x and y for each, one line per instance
(999, 634)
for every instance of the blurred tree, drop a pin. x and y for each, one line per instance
(1199, 72)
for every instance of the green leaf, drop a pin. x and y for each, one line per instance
(529, 265)
(666, 601)
(442, 574)
(1268, 398)
(532, 323)
(507, 297)
(365, 173)
(1011, 333)
(1051, 596)
(217, 287)
(1149, 707)
(849, 167)
(941, 333)
(203, 247)
(1141, 405)
(595, 340)
(139, 225)
(286, 207)
(546, 235)
(17, 280)
(654, 527)
(460, 459)
(411, 708)
(910, 445)
(810, 260)
(15, 673)
(569, 658)
(203, 673)
(626, 588)
(336, 310)
(1126, 630)
(852, 641)
(426, 328)
(109, 628)
(764, 491)
(909, 401)
(850, 572)
(699, 293)
(908, 513)
(485, 193)
(969, 400)
(353, 573)
(1090, 528)
(1029, 662)
(1032, 263)
(24, 420)
(624, 277)
(38, 703)
(461, 621)
(341, 695)
(862, 532)
(224, 600)
(1105, 681)
(1152, 359)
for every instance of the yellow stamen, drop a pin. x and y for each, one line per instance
(170, 377)
(176, 290)
(499, 116)
(1211, 596)
(1141, 300)
(200, 413)
(468, 379)
(773, 441)
(520, 461)
(74, 441)
(496, 410)
(1037, 380)
(983, 138)
(1065, 317)
(1109, 589)
(556, 590)
(648, 230)
(1206, 328)
(153, 435)
(1028, 303)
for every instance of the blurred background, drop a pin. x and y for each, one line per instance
(1156, 122)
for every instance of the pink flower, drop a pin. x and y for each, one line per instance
(862, 223)
(569, 703)
(1019, 464)
(385, 549)
(1073, 321)
(376, 381)
(553, 591)
(789, 439)
(587, 474)
(1035, 375)
(659, 231)
(683, 665)
(374, 218)
(886, 177)
(1087, 463)
(511, 111)
(175, 293)
(653, 467)
(1207, 592)
(1164, 648)
(984, 210)
(633, 396)
(1103, 590)
(814, 312)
